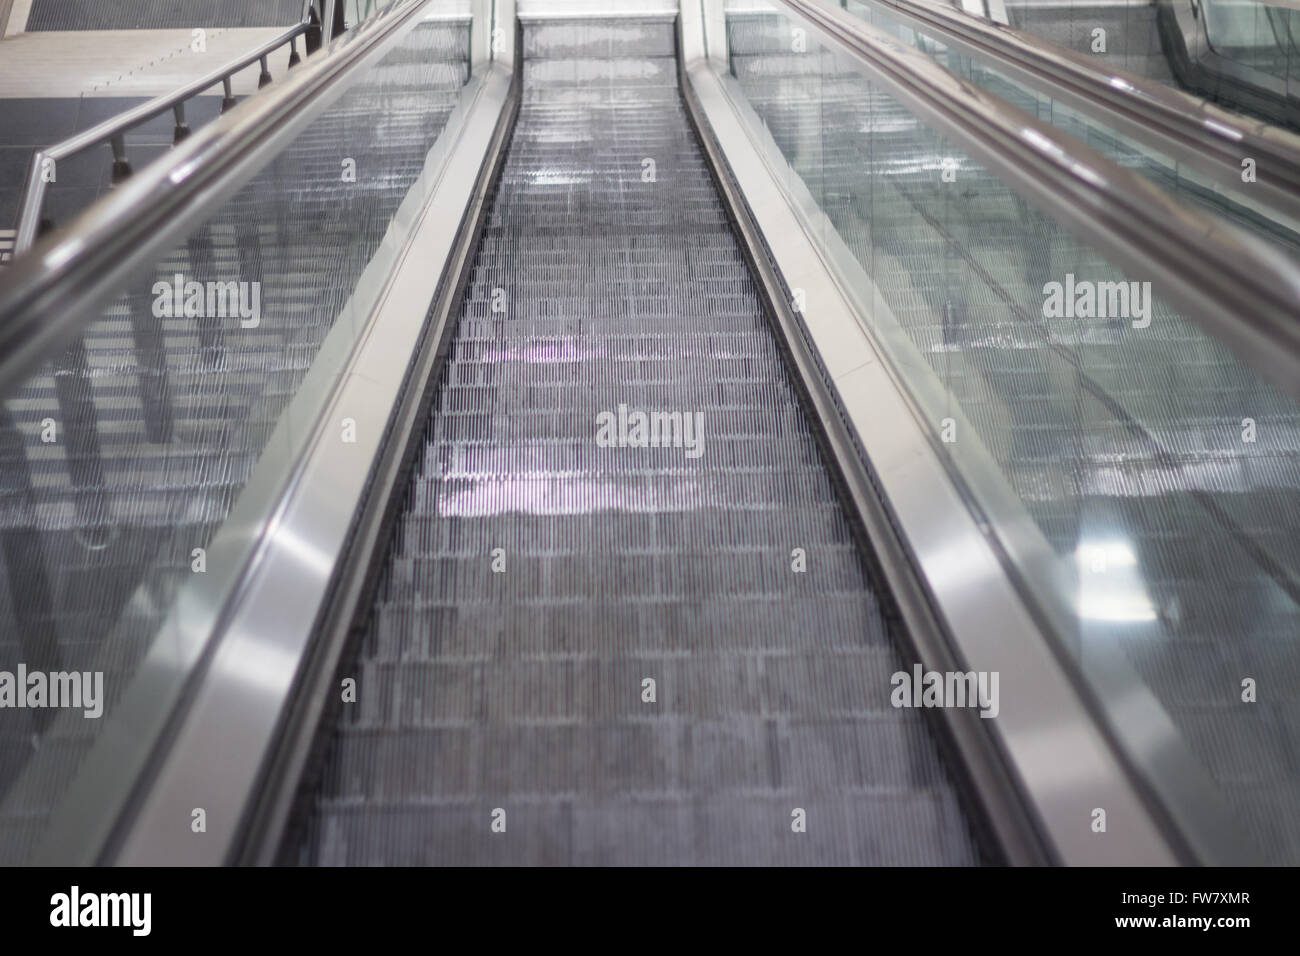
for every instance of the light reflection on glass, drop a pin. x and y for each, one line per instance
(1110, 584)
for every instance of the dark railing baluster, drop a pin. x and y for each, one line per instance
(79, 424)
(228, 101)
(182, 130)
(113, 131)
(121, 166)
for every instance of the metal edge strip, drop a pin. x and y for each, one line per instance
(619, 13)
(533, 10)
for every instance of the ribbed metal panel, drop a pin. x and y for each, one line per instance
(522, 690)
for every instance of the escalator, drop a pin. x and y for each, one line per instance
(1240, 54)
(1243, 55)
(630, 417)
(963, 272)
(524, 689)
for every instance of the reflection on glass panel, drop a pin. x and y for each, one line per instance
(121, 459)
(1120, 33)
(1163, 473)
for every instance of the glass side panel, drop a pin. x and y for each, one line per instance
(121, 461)
(1234, 201)
(84, 177)
(1162, 474)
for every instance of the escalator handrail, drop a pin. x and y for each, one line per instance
(1238, 288)
(1188, 127)
(57, 289)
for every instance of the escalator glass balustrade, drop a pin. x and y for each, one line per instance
(1087, 418)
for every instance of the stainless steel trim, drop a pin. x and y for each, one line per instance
(50, 294)
(1189, 129)
(492, 38)
(1238, 288)
(216, 756)
(17, 18)
(480, 49)
(1009, 821)
(310, 700)
(692, 32)
(714, 16)
(505, 19)
(991, 627)
(29, 214)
